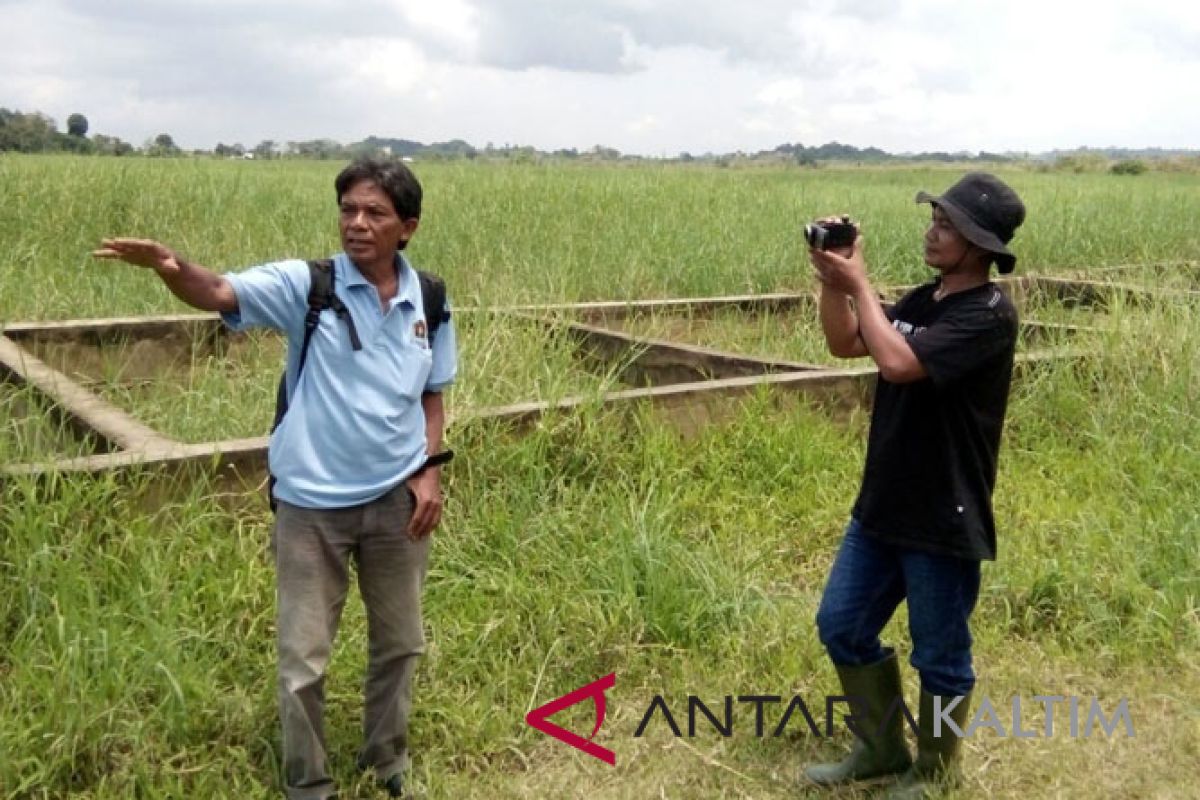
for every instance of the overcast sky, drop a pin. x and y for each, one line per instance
(655, 78)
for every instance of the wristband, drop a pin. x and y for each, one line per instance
(436, 460)
(444, 457)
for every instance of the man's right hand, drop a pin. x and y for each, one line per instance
(140, 252)
(195, 285)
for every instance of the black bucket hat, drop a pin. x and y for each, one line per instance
(985, 210)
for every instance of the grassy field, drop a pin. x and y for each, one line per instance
(502, 233)
(136, 625)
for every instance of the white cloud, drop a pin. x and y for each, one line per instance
(450, 24)
(647, 77)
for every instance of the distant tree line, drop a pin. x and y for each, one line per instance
(35, 132)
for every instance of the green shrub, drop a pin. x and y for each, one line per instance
(1130, 166)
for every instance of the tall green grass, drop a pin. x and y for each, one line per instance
(136, 618)
(138, 653)
(511, 233)
(30, 431)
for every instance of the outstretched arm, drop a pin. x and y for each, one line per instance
(193, 284)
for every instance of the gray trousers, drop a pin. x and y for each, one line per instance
(313, 549)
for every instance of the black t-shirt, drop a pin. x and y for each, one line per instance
(933, 446)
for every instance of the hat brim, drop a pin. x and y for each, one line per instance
(972, 231)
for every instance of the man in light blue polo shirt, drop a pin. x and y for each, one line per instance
(355, 457)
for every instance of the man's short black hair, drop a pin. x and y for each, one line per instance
(392, 176)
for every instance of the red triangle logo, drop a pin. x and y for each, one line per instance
(539, 718)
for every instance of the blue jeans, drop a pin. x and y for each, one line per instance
(869, 579)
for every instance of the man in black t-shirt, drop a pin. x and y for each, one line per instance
(923, 518)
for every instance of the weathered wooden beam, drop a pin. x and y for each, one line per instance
(655, 362)
(1036, 332)
(1076, 291)
(1189, 267)
(96, 332)
(85, 412)
(246, 456)
(688, 405)
(694, 306)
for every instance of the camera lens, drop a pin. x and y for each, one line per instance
(815, 236)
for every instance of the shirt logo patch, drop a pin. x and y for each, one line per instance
(907, 328)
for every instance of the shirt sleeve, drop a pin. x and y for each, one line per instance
(445, 355)
(962, 340)
(270, 296)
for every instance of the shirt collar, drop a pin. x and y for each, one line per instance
(408, 290)
(346, 274)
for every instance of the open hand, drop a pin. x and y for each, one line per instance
(139, 252)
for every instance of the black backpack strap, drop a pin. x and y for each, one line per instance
(320, 297)
(320, 289)
(433, 301)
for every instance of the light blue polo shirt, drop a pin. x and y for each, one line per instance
(354, 426)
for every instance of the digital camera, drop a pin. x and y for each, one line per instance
(828, 235)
